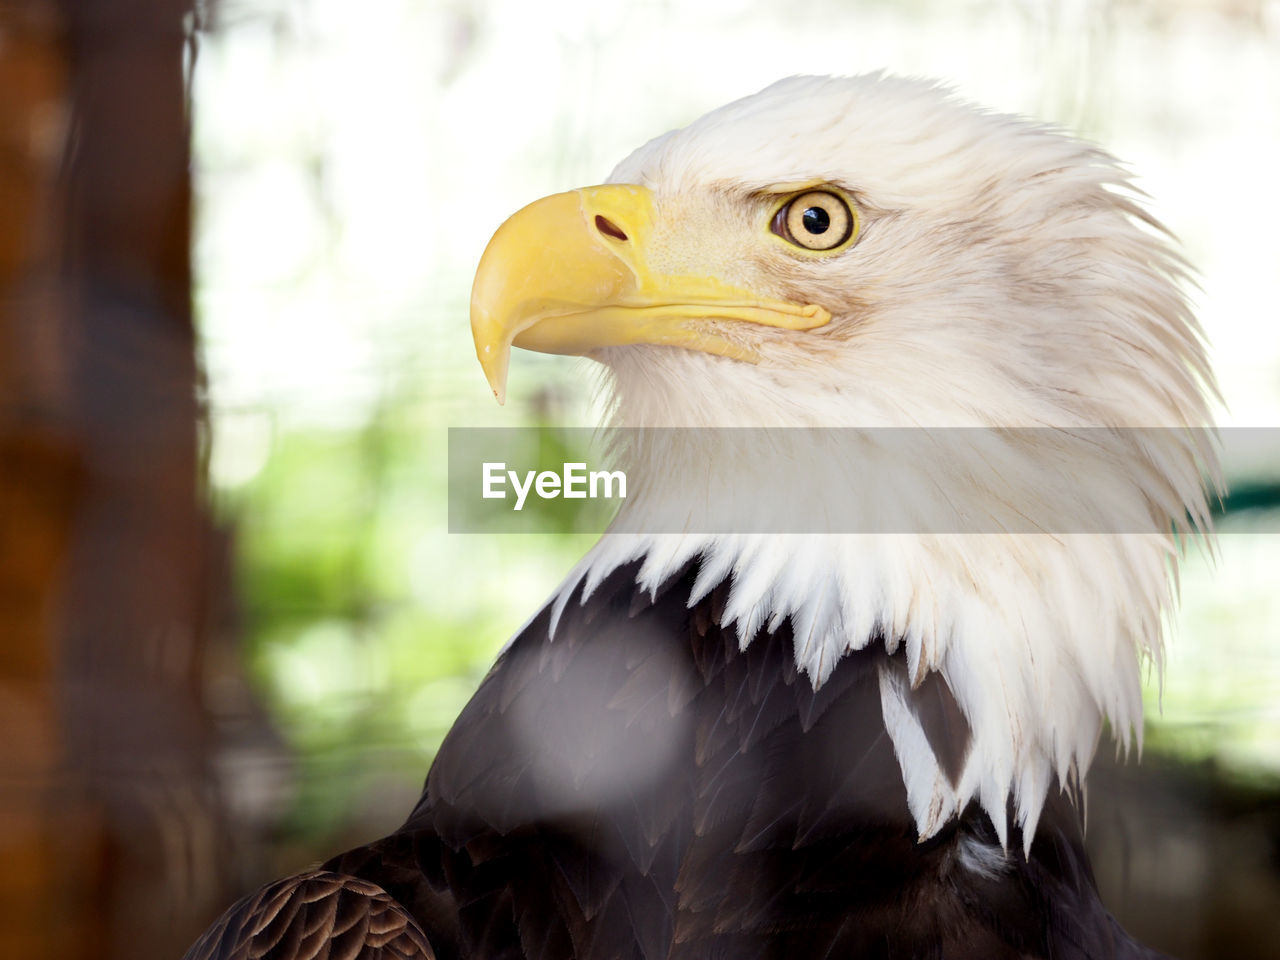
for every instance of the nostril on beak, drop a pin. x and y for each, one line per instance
(609, 228)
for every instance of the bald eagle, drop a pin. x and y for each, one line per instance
(746, 745)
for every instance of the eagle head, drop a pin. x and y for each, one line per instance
(875, 252)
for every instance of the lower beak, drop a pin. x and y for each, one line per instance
(568, 274)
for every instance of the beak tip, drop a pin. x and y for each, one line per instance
(494, 364)
(498, 384)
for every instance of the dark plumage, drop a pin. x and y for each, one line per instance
(316, 915)
(777, 827)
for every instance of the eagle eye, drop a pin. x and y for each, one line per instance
(817, 220)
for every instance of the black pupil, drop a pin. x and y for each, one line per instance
(817, 220)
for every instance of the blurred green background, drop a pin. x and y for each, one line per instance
(351, 161)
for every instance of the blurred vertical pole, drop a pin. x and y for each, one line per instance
(109, 830)
(38, 468)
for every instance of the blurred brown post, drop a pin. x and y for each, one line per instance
(109, 833)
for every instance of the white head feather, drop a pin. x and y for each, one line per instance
(1005, 276)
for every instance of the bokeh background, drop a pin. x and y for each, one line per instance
(238, 243)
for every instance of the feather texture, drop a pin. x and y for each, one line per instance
(314, 916)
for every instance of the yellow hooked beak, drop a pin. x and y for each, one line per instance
(567, 274)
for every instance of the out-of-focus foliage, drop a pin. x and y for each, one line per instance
(1220, 699)
(364, 630)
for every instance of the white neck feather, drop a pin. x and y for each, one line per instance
(1040, 637)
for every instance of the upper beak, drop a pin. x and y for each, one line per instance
(568, 274)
